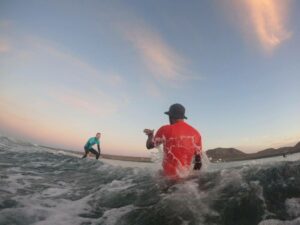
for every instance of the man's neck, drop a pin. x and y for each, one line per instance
(176, 121)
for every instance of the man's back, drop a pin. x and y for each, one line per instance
(181, 142)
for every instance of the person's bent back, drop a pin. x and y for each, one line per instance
(88, 147)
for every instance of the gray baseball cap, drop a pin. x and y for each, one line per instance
(176, 111)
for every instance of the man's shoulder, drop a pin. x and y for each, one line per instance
(163, 129)
(92, 139)
(165, 126)
(193, 129)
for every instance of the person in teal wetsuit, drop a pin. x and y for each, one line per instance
(88, 147)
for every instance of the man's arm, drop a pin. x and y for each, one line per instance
(149, 142)
(98, 145)
(198, 163)
(198, 150)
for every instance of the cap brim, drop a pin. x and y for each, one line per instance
(168, 113)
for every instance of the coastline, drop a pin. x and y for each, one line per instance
(106, 156)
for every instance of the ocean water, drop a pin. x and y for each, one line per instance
(43, 187)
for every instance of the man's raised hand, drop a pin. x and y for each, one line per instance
(149, 132)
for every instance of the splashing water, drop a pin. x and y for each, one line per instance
(156, 154)
(44, 187)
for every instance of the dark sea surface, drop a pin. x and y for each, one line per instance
(38, 186)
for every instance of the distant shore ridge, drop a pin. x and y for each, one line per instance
(233, 154)
(214, 155)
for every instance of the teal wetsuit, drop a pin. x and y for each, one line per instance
(92, 141)
(88, 147)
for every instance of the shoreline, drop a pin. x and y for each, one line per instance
(107, 156)
(253, 156)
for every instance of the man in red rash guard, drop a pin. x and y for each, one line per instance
(181, 144)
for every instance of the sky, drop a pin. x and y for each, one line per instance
(69, 69)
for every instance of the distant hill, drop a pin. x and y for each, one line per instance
(215, 155)
(224, 154)
(232, 154)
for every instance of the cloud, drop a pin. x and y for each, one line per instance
(6, 24)
(70, 83)
(115, 80)
(161, 59)
(153, 90)
(50, 49)
(4, 46)
(267, 19)
(30, 49)
(100, 105)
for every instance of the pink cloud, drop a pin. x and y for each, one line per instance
(159, 57)
(266, 19)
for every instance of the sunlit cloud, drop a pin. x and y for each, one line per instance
(267, 19)
(159, 57)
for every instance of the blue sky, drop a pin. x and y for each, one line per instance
(71, 68)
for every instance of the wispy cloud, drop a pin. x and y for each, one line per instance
(74, 66)
(63, 55)
(5, 24)
(153, 90)
(4, 46)
(100, 105)
(160, 58)
(79, 86)
(115, 80)
(267, 19)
